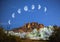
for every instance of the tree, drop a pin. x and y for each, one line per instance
(55, 37)
(8, 38)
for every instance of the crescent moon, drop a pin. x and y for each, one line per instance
(39, 7)
(13, 15)
(45, 9)
(19, 11)
(33, 7)
(9, 21)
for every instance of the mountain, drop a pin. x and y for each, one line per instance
(27, 27)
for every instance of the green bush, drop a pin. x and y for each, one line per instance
(8, 38)
(56, 36)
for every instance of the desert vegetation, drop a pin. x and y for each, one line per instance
(5, 37)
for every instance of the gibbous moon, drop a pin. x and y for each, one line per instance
(25, 8)
(19, 11)
(13, 15)
(45, 9)
(9, 21)
(39, 7)
(33, 7)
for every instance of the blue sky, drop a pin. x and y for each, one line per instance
(48, 14)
